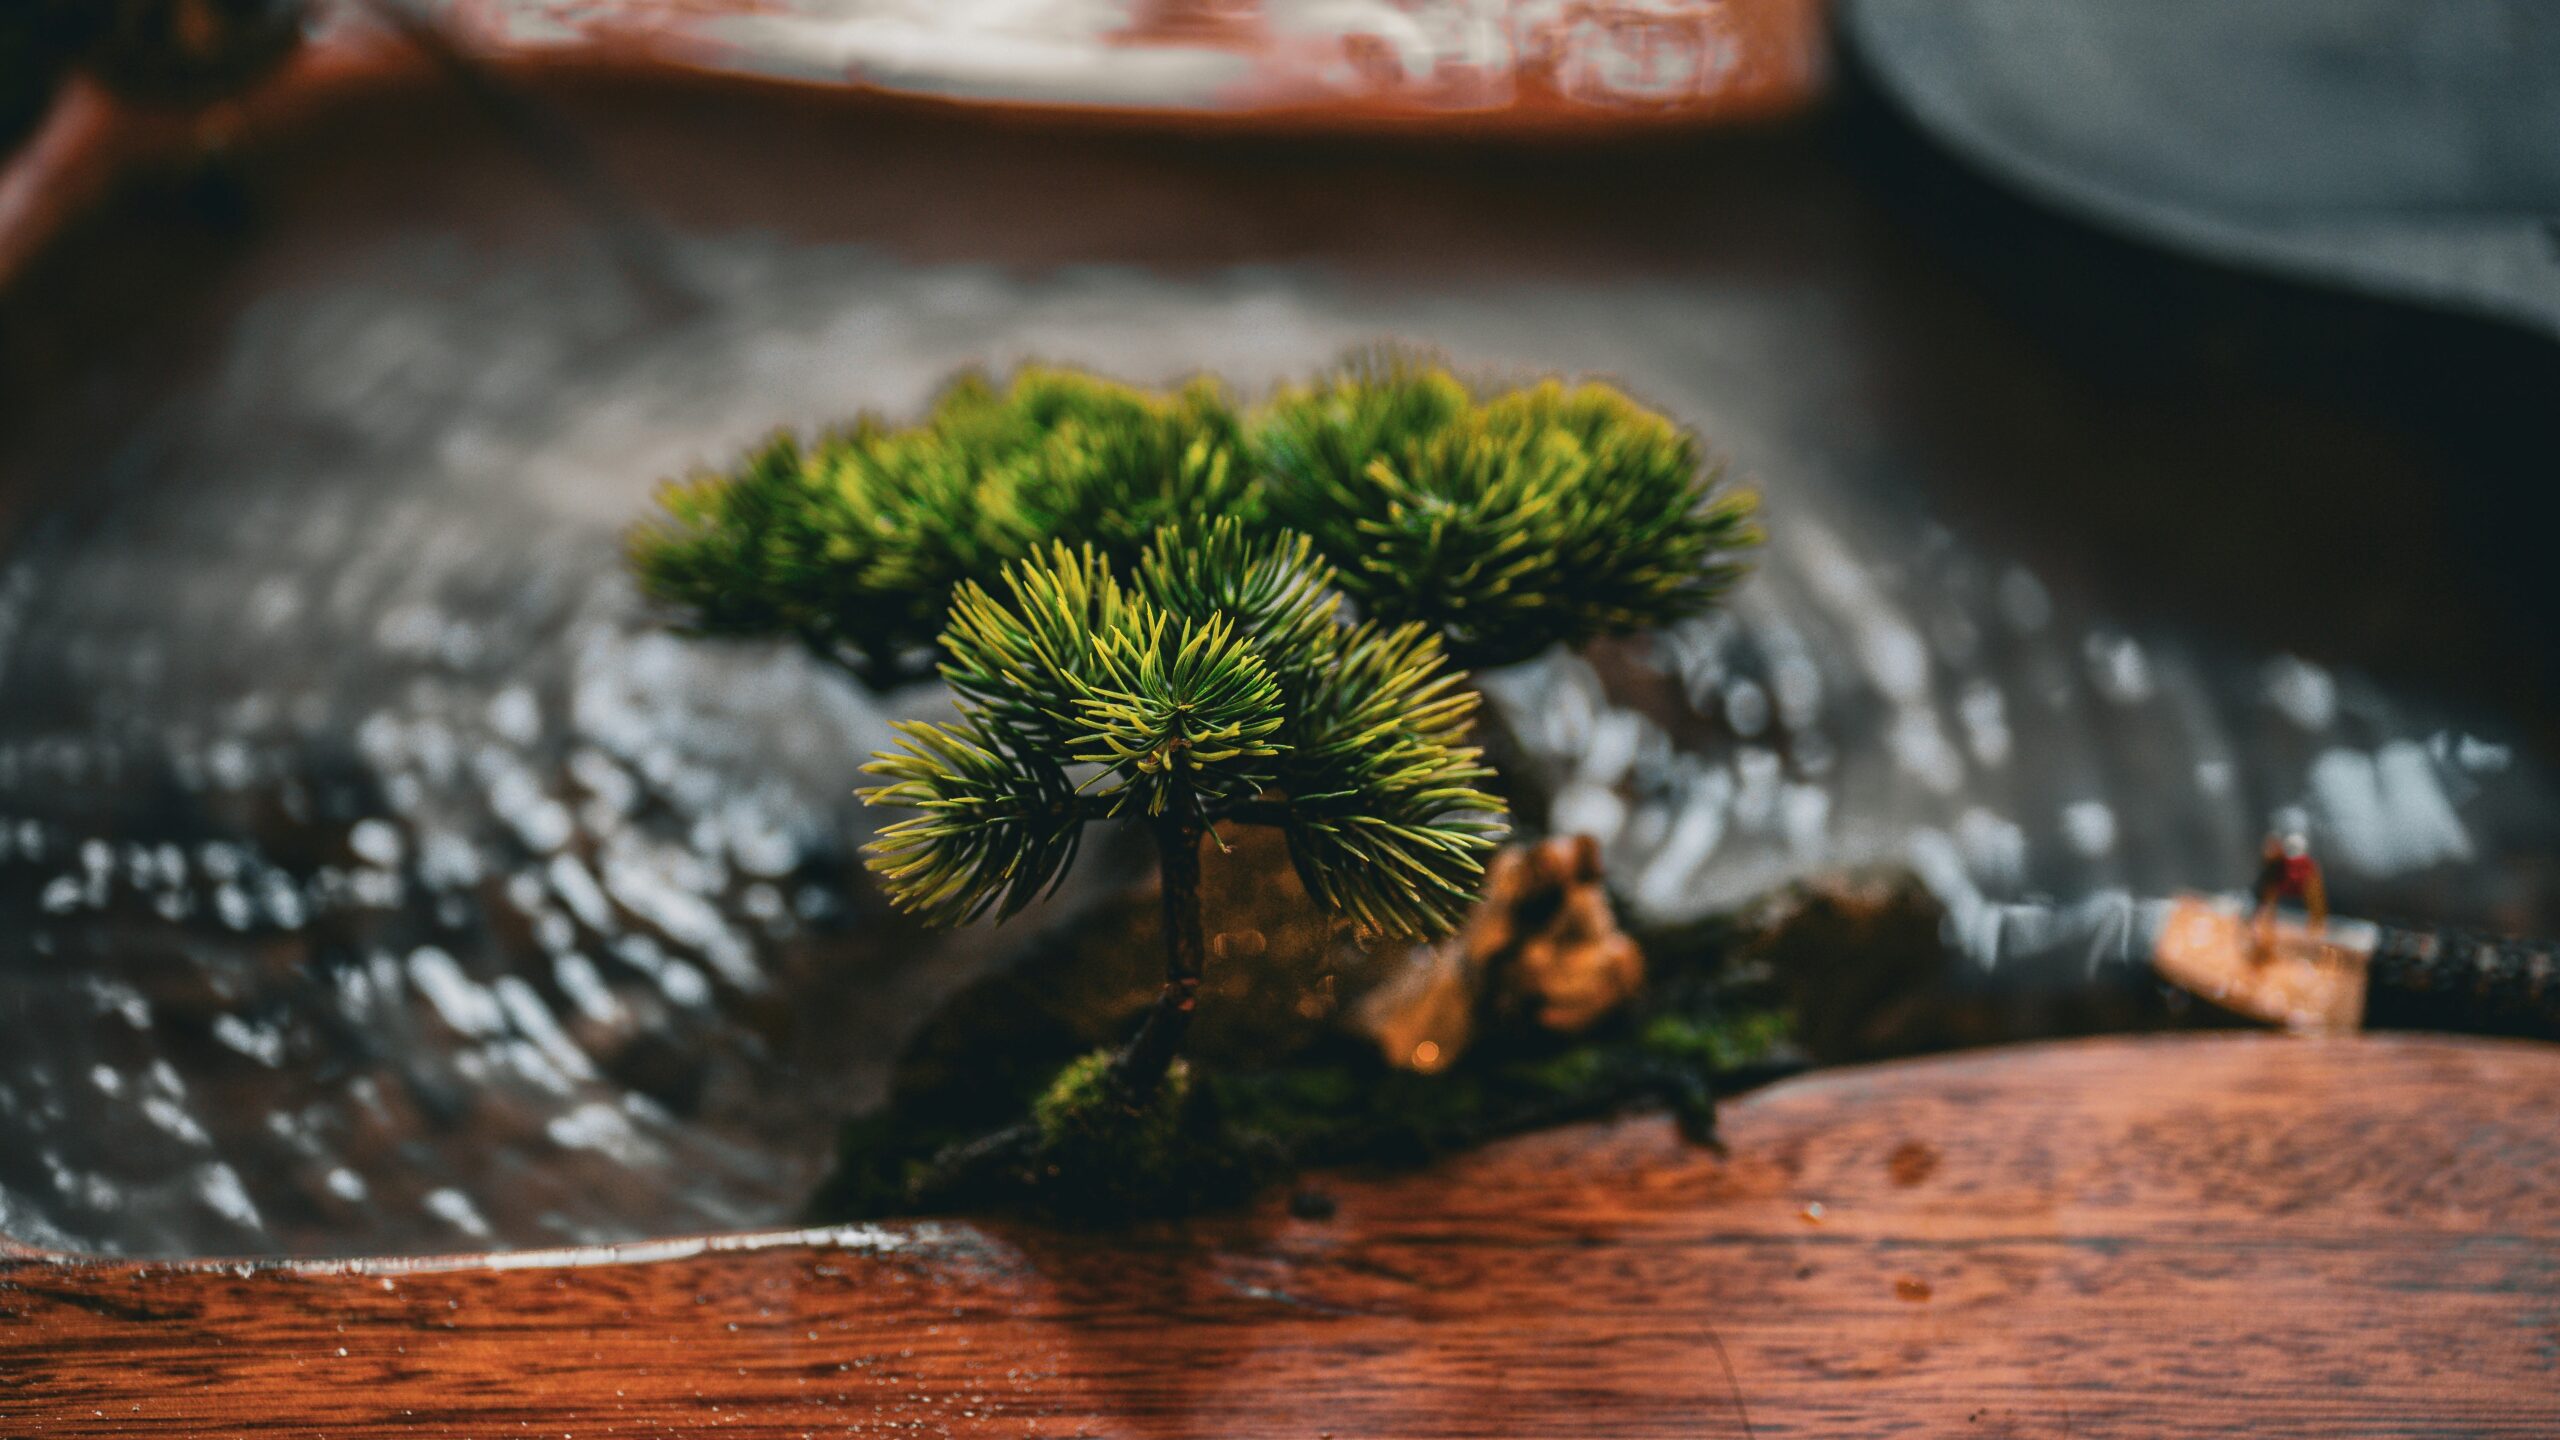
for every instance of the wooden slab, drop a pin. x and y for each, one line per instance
(2304, 981)
(1601, 69)
(2127, 1237)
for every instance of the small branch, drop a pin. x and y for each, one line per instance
(968, 1173)
(1257, 812)
(883, 669)
(1141, 1065)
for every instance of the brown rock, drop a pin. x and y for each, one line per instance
(1546, 935)
(1542, 949)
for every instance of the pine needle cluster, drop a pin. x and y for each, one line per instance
(1507, 522)
(855, 542)
(1221, 680)
(1543, 515)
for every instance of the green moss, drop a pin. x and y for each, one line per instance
(1572, 1072)
(1213, 1136)
(1102, 1155)
(1721, 1041)
(1083, 1111)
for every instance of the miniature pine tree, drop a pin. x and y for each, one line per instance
(1117, 653)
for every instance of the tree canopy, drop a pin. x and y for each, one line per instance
(1506, 522)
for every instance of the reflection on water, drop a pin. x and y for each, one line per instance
(374, 876)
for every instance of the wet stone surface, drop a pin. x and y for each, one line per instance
(375, 876)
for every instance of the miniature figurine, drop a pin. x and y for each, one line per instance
(2287, 873)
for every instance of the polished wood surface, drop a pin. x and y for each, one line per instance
(1602, 69)
(2136, 1237)
(2284, 974)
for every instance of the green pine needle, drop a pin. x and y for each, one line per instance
(1204, 689)
(857, 543)
(1541, 516)
(1386, 818)
(997, 823)
(1281, 596)
(1182, 710)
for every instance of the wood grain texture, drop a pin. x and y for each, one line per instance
(2302, 980)
(1601, 69)
(2137, 1237)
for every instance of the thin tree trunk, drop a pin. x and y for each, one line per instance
(1142, 1065)
(964, 1175)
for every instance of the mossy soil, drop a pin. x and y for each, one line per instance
(1045, 1133)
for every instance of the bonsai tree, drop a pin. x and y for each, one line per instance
(1152, 609)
